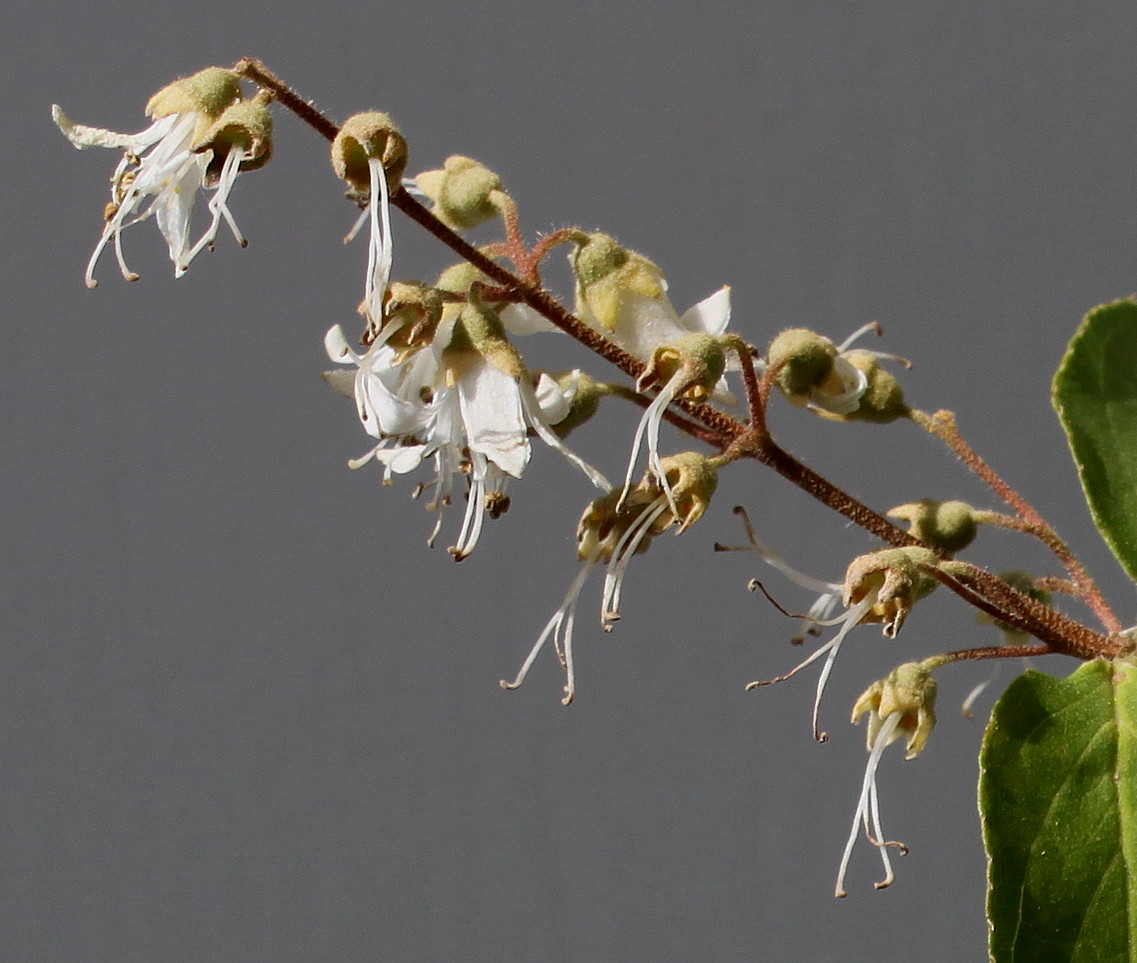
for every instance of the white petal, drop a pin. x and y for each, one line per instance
(337, 347)
(522, 319)
(492, 413)
(709, 316)
(83, 136)
(554, 401)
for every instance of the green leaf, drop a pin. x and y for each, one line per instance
(1058, 801)
(1095, 395)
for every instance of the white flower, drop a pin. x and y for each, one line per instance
(189, 146)
(450, 403)
(612, 531)
(902, 703)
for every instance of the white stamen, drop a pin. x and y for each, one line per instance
(867, 808)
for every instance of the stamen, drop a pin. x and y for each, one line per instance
(867, 802)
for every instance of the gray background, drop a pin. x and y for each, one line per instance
(244, 712)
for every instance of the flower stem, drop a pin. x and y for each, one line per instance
(943, 425)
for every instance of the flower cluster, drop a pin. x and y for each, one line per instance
(440, 385)
(204, 134)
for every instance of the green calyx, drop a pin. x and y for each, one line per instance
(896, 578)
(605, 272)
(910, 690)
(208, 92)
(478, 329)
(883, 399)
(804, 360)
(245, 125)
(692, 479)
(699, 358)
(371, 135)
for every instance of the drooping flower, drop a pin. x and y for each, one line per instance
(903, 703)
(880, 587)
(203, 135)
(369, 154)
(612, 531)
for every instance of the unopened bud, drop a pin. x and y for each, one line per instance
(947, 526)
(464, 192)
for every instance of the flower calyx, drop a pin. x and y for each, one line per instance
(208, 93)
(245, 126)
(412, 311)
(882, 400)
(946, 526)
(465, 193)
(363, 138)
(690, 366)
(895, 579)
(909, 691)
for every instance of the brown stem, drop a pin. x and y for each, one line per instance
(992, 652)
(257, 72)
(942, 424)
(1057, 632)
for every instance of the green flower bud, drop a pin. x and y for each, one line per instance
(363, 137)
(910, 690)
(464, 192)
(895, 578)
(948, 526)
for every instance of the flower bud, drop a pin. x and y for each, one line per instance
(883, 399)
(364, 137)
(605, 272)
(909, 690)
(698, 360)
(245, 126)
(948, 526)
(895, 579)
(208, 93)
(464, 192)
